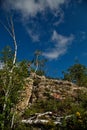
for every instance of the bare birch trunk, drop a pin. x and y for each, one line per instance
(11, 31)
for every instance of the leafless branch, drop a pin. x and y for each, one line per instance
(38, 118)
(6, 28)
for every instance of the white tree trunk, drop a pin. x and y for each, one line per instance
(10, 30)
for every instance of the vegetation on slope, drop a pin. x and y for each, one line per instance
(75, 105)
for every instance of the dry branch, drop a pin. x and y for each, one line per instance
(38, 119)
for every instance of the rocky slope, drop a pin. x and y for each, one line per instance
(40, 87)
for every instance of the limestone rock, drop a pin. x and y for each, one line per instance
(40, 87)
(25, 95)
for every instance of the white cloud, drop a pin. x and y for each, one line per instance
(32, 7)
(29, 8)
(60, 47)
(34, 37)
(59, 14)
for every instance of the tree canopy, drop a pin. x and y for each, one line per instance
(76, 74)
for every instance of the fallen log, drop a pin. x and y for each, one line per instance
(44, 118)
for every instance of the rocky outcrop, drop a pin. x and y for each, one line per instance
(25, 95)
(40, 87)
(44, 87)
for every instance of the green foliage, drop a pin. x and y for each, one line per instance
(40, 72)
(78, 110)
(77, 74)
(38, 63)
(7, 55)
(69, 106)
(11, 82)
(41, 106)
(75, 105)
(21, 126)
(77, 122)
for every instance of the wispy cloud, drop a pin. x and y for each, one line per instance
(32, 7)
(28, 9)
(33, 36)
(59, 14)
(60, 46)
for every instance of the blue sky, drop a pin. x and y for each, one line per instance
(56, 27)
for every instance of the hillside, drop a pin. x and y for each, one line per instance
(43, 88)
(49, 101)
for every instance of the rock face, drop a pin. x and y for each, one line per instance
(40, 87)
(25, 95)
(43, 88)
